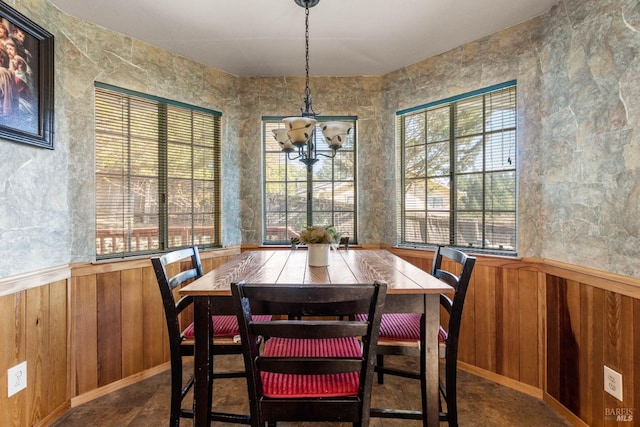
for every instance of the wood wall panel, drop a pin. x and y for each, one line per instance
(628, 362)
(485, 316)
(109, 302)
(636, 351)
(553, 335)
(529, 351)
(85, 333)
(132, 322)
(56, 374)
(37, 337)
(587, 348)
(154, 338)
(467, 343)
(12, 342)
(508, 324)
(594, 356)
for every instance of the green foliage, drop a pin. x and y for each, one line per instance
(319, 234)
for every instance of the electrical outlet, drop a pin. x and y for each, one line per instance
(17, 378)
(613, 383)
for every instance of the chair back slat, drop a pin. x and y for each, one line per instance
(309, 329)
(317, 366)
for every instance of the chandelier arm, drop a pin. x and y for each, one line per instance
(299, 156)
(327, 155)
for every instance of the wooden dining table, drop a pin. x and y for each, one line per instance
(409, 289)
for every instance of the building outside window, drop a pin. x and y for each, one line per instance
(157, 174)
(458, 171)
(296, 196)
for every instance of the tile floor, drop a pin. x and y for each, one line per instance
(481, 403)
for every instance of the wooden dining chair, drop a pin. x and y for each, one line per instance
(172, 270)
(403, 334)
(316, 369)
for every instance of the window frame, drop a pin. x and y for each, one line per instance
(453, 175)
(266, 133)
(172, 127)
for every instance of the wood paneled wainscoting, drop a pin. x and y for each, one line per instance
(34, 329)
(118, 327)
(535, 325)
(547, 329)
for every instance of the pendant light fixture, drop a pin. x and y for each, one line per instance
(299, 132)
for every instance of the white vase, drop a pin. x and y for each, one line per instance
(318, 254)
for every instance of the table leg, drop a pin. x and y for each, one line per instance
(432, 325)
(202, 369)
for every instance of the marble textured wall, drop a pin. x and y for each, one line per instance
(590, 111)
(35, 221)
(47, 213)
(578, 118)
(343, 96)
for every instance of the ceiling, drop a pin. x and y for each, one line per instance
(266, 37)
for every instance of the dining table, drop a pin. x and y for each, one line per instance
(409, 289)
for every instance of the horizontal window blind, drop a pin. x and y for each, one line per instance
(157, 174)
(458, 171)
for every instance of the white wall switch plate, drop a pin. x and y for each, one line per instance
(17, 378)
(613, 383)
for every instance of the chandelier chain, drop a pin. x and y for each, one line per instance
(307, 90)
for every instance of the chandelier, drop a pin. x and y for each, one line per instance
(299, 132)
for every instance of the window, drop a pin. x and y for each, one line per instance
(295, 196)
(458, 171)
(157, 174)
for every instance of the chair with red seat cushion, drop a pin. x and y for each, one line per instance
(318, 368)
(403, 334)
(181, 342)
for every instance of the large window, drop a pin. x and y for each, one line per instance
(458, 171)
(157, 174)
(296, 196)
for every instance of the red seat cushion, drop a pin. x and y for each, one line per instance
(299, 385)
(402, 327)
(224, 326)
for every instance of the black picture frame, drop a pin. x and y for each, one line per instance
(29, 118)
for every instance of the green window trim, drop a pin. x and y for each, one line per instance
(458, 171)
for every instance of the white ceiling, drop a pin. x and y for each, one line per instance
(266, 37)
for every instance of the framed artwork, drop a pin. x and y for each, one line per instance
(26, 80)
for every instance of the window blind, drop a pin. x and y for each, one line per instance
(157, 174)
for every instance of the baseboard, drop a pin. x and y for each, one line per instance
(132, 379)
(499, 379)
(564, 412)
(54, 415)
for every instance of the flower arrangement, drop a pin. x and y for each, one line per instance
(318, 234)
